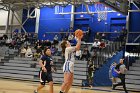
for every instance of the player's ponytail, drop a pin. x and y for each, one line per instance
(63, 46)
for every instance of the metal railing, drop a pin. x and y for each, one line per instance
(133, 37)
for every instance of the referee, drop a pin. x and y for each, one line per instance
(122, 70)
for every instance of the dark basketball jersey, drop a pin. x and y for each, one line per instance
(47, 62)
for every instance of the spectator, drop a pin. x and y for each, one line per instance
(90, 73)
(123, 35)
(71, 29)
(98, 36)
(70, 37)
(103, 37)
(46, 43)
(8, 42)
(85, 54)
(95, 45)
(29, 52)
(55, 40)
(66, 36)
(38, 53)
(102, 44)
(53, 49)
(5, 37)
(22, 52)
(87, 35)
(78, 54)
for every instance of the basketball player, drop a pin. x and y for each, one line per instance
(68, 67)
(45, 72)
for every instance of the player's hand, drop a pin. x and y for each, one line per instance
(44, 69)
(119, 72)
(51, 63)
(80, 37)
(52, 69)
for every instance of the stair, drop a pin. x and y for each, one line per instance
(133, 76)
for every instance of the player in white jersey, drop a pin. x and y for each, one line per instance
(68, 67)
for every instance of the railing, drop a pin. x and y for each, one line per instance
(105, 53)
(133, 37)
(130, 59)
(132, 53)
(101, 55)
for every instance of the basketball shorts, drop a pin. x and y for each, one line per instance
(45, 76)
(68, 67)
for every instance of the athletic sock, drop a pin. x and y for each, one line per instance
(35, 91)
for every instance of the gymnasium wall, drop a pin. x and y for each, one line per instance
(114, 21)
(134, 20)
(51, 22)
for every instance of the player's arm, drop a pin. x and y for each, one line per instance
(78, 45)
(116, 71)
(42, 66)
(53, 67)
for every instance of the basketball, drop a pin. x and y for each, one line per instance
(78, 33)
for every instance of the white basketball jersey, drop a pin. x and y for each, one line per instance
(69, 54)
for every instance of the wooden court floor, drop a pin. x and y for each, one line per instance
(14, 86)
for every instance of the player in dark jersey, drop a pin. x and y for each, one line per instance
(46, 71)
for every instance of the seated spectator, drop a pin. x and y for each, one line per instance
(55, 40)
(53, 49)
(28, 52)
(85, 54)
(13, 43)
(102, 44)
(90, 73)
(38, 53)
(70, 37)
(95, 45)
(46, 43)
(8, 42)
(78, 54)
(23, 52)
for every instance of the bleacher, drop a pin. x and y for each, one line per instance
(26, 69)
(133, 76)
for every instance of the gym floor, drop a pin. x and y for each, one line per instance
(16, 86)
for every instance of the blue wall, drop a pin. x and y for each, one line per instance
(50, 22)
(112, 23)
(101, 76)
(134, 20)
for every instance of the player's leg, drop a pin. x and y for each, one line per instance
(70, 83)
(42, 82)
(65, 83)
(50, 80)
(51, 87)
(70, 76)
(39, 87)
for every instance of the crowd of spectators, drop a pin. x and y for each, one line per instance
(30, 47)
